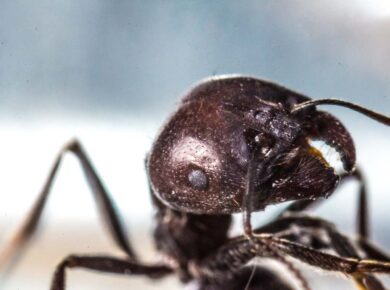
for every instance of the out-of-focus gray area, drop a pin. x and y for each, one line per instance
(109, 72)
(136, 57)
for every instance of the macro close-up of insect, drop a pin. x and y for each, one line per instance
(198, 145)
(235, 144)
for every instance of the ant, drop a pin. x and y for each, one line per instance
(235, 144)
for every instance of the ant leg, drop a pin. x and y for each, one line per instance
(362, 211)
(239, 251)
(328, 262)
(104, 202)
(299, 228)
(235, 255)
(294, 228)
(107, 265)
(305, 230)
(227, 262)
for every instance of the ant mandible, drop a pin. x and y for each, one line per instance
(235, 145)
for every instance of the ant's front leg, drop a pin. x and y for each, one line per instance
(228, 262)
(356, 268)
(321, 235)
(305, 230)
(362, 216)
(239, 251)
(107, 265)
(105, 205)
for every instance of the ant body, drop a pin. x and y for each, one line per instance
(235, 145)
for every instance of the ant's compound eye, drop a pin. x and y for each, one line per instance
(198, 179)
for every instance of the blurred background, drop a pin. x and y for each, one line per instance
(110, 72)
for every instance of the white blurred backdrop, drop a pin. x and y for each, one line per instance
(109, 73)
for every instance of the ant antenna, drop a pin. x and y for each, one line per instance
(369, 113)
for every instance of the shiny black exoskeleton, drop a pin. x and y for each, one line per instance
(198, 166)
(236, 145)
(200, 160)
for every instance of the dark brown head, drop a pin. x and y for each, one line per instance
(199, 162)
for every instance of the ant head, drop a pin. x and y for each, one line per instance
(199, 163)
